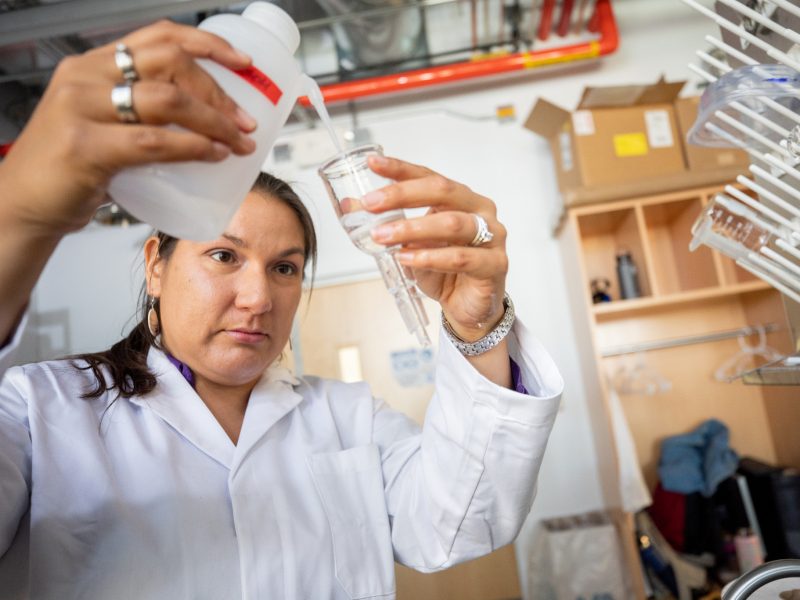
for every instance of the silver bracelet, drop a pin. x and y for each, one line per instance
(490, 340)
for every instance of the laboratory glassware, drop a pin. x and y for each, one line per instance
(347, 178)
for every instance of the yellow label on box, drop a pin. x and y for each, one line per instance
(630, 144)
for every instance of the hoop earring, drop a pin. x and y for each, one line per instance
(152, 319)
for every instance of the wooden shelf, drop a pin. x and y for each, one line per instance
(674, 269)
(603, 236)
(622, 308)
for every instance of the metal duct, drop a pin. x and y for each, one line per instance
(367, 41)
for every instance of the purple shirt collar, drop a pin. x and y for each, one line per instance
(182, 368)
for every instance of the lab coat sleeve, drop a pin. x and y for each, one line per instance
(15, 454)
(464, 486)
(8, 353)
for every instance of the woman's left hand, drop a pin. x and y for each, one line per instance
(468, 281)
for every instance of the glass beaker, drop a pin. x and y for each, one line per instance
(348, 178)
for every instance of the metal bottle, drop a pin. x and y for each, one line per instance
(628, 276)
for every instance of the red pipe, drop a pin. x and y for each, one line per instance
(385, 84)
(546, 22)
(566, 17)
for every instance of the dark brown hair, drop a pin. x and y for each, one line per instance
(126, 361)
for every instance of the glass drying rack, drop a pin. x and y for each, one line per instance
(752, 102)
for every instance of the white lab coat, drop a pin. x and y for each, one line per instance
(326, 487)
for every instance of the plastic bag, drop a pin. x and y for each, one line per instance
(577, 558)
(746, 87)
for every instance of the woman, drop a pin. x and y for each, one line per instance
(185, 462)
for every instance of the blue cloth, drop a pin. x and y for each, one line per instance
(697, 461)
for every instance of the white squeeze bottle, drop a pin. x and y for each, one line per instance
(196, 200)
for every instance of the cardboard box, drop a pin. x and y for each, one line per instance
(703, 158)
(618, 135)
(627, 142)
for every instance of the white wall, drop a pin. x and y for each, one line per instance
(89, 276)
(87, 294)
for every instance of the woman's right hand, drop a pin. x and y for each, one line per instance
(56, 173)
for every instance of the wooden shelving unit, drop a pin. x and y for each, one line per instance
(683, 294)
(624, 308)
(656, 231)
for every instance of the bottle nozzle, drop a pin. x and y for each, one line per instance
(310, 88)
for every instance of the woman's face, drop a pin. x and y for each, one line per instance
(227, 305)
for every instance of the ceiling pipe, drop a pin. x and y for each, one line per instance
(602, 21)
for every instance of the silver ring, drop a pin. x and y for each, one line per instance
(122, 99)
(483, 235)
(124, 60)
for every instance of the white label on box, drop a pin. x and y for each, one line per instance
(565, 145)
(659, 129)
(583, 122)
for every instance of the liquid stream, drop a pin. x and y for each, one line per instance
(318, 102)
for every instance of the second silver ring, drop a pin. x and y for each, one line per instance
(122, 99)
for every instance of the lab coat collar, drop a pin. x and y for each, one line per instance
(272, 398)
(278, 373)
(176, 402)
